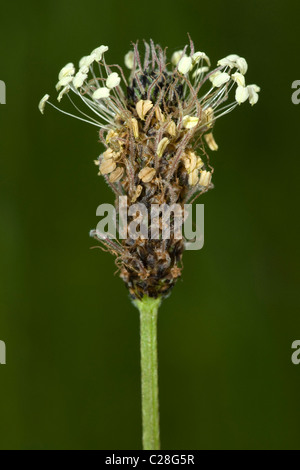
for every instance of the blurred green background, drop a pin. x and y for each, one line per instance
(72, 379)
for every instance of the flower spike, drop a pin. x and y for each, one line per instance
(157, 127)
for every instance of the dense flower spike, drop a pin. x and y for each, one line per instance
(151, 125)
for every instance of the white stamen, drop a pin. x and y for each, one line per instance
(84, 69)
(176, 57)
(66, 71)
(99, 51)
(200, 70)
(200, 55)
(87, 60)
(190, 121)
(43, 102)
(79, 79)
(220, 79)
(238, 78)
(74, 116)
(185, 65)
(214, 75)
(63, 91)
(233, 57)
(101, 93)
(227, 63)
(63, 82)
(241, 94)
(205, 178)
(113, 80)
(242, 65)
(94, 87)
(129, 60)
(253, 91)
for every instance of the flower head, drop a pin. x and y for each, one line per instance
(152, 125)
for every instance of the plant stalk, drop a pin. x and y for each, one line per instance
(148, 308)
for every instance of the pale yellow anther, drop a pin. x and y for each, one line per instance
(159, 115)
(116, 175)
(63, 82)
(110, 135)
(129, 60)
(238, 78)
(189, 122)
(107, 166)
(67, 71)
(65, 90)
(101, 93)
(147, 174)
(109, 153)
(190, 161)
(200, 163)
(220, 79)
(162, 146)
(185, 65)
(226, 62)
(213, 76)
(193, 178)
(98, 52)
(43, 102)
(241, 94)
(200, 71)
(142, 108)
(209, 114)
(87, 60)
(79, 79)
(193, 159)
(186, 161)
(176, 57)
(113, 80)
(242, 65)
(171, 128)
(205, 178)
(135, 127)
(211, 141)
(197, 56)
(253, 91)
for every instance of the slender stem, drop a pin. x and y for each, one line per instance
(148, 308)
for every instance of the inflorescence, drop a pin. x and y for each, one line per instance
(156, 126)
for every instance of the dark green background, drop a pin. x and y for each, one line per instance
(72, 374)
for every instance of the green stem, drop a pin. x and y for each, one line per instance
(148, 308)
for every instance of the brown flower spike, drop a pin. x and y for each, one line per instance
(156, 129)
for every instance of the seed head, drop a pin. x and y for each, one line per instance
(156, 126)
